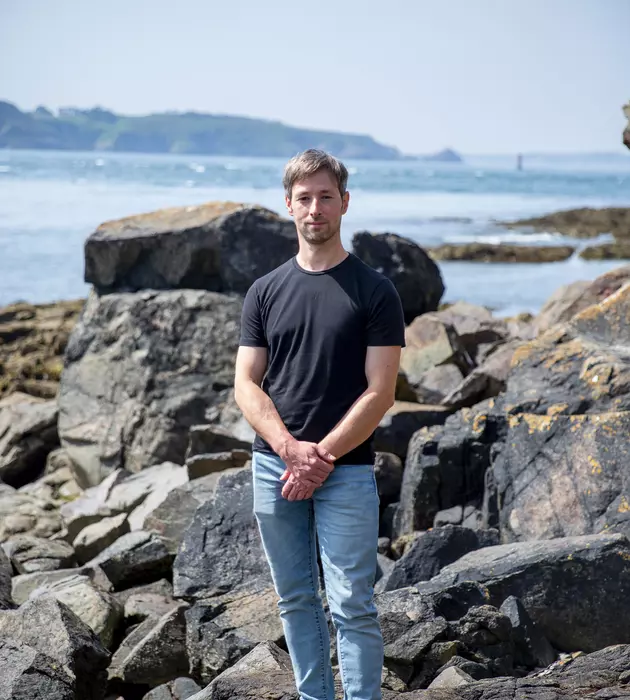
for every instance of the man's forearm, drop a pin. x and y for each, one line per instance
(358, 424)
(262, 415)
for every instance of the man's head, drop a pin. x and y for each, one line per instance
(316, 196)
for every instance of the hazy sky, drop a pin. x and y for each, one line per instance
(482, 76)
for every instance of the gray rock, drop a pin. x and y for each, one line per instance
(26, 674)
(22, 586)
(179, 689)
(202, 465)
(138, 557)
(450, 678)
(6, 600)
(97, 608)
(221, 549)
(67, 640)
(93, 539)
(384, 568)
(25, 514)
(212, 439)
(28, 432)
(531, 647)
(265, 672)
(30, 554)
(400, 423)
(414, 274)
(222, 630)
(152, 600)
(172, 517)
(435, 549)
(220, 247)
(154, 652)
(559, 476)
(553, 579)
(141, 369)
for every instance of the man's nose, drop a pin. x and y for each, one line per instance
(314, 209)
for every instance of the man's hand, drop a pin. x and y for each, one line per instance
(294, 490)
(309, 463)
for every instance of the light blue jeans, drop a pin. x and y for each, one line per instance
(344, 514)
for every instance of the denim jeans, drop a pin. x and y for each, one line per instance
(343, 513)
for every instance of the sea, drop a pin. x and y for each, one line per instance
(50, 202)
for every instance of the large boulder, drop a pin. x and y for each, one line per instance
(416, 277)
(141, 369)
(221, 550)
(559, 475)
(28, 432)
(52, 629)
(578, 367)
(219, 247)
(575, 588)
(446, 467)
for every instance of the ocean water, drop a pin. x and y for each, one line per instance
(51, 201)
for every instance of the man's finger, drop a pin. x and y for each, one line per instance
(286, 475)
(324, 454)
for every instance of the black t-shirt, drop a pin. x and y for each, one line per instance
(317, 327)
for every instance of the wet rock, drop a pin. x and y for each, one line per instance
(29, 554)
(501, 253)
(585, 222)
(28, 432)
(221, 549)
(68, 641)
(553, 579)
(141, 369)
(607, 251)
(219, 247)
(416, 277)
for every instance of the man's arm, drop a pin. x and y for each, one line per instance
(363, 417)
(308, 462)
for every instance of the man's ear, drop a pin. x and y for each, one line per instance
(287, 201)
(345, 202)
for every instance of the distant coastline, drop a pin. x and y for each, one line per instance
(191, 133)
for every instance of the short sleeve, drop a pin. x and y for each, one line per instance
(386, 322)
(252, 331)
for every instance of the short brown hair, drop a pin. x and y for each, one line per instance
(308, 163)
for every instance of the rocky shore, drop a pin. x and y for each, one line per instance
(130, 565)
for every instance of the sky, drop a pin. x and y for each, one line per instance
(480, 76)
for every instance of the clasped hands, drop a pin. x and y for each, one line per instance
(308, 466)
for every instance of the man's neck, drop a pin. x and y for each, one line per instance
(317, 258)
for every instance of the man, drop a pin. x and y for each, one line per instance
(315, 372)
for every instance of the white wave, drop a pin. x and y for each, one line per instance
(5, 168)
(99, 162)
(197, 168)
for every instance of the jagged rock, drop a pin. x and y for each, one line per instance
(23, 514)
(466, 516)
(209, 439)
(561, 475)
(450, 678)
(173, 516)
(32, 342)
(607, 251)
(91, 506)
(93, 539)
(553, 579)
(531, 647)
(141, 369)
(138, 557)
(265, 672)
(23, 586)
(446, 466)
(28, 432)
(221, 549)
(416, 277)
(218, 246)
(67, 640)
(95, 607)
(179, 689)
(384, 567)
(29, 554)
(56, 487)
(6, 600)
(433, 550)
(221, 630)
(140, 494)
(154, 652)
(202, 465)
(401, 421)
(437, 383)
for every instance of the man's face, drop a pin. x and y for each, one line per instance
(317, 207)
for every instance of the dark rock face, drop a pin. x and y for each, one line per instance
(435, 549)
(221, 630)
(221, 549)
(141, 369)
(79, 659)
(446, 467)
(388, 471)
(416, 277)
(558, 476)
(580, 367)
(531, 648)
(218, 247)
(575, 589)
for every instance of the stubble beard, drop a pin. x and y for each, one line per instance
(315, 237)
